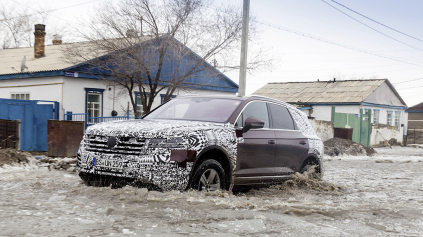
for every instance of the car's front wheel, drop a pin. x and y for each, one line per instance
(209, 176)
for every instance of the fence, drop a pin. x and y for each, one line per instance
(69, 116)
(9, 134)
(415, 136)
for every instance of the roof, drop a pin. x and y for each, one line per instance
(418, 108)
(54, 59)
(323, 92)
(55, 62)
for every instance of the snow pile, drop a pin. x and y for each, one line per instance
(68, 164)
(338, 146)
(12, 156)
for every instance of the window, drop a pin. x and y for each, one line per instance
(138, 102)
(254, 109)
(281, 118)
(20, 96)
(94, 105)
(367, 111)
(389, 118)
(397, 118)
(94, 98)
(375, 116)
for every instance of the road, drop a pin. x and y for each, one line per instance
(359, 196)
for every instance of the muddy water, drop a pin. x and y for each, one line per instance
(359, 196)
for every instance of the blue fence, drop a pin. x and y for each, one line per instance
(69, 116)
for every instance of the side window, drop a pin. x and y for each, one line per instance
(281, 118)
(254, 109)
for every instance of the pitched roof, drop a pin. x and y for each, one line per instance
(54, 58)
(416, 108)
(348, 91)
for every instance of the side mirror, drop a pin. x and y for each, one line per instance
(252, 122)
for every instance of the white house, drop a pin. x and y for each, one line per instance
(45, 75)
(372, 109)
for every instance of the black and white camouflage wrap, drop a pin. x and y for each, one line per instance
(153, 163)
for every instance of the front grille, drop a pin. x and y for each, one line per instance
(125, 145)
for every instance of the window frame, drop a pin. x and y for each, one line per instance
(245, 106)
(94, 91)
(387, 117)
(397, 116)
(374, 116)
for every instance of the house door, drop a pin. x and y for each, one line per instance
(366, 127)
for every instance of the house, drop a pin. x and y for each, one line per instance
(415, 124)
(45, 75)
(58, 87)
(369, 111)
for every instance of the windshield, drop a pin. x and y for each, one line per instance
(197, 109)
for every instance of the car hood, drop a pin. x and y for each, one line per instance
(151, 127)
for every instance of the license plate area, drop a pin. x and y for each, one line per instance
(107, 163)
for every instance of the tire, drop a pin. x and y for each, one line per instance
(209, 176)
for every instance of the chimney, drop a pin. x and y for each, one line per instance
(39, 34)
(57, 39)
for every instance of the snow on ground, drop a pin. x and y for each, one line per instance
(359, 196)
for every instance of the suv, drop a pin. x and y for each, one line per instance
(205, 143)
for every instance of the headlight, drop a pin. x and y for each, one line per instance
(172, 142)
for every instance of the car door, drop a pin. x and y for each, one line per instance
(255, 157)
(291, 145)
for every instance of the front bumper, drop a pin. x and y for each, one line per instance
(165, 175)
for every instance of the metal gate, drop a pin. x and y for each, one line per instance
(33, 116)
(9, 134)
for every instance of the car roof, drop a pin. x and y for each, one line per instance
(242, 98)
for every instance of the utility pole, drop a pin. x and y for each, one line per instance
(244, 48)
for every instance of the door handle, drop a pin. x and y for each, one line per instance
(303, 142)
(271, 142)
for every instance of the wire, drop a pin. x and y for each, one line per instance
(371, 27)
(61, 8)
(407, 81)
(333, 42)
(376, 21)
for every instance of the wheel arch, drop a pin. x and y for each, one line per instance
(311, 159)
(220, 155)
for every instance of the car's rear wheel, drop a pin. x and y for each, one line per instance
(209, 176)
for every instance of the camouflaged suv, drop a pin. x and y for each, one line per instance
(205, 143)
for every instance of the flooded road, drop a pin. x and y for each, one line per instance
(359, 196)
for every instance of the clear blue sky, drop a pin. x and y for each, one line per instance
(304, 59)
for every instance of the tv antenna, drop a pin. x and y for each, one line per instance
(23, 66)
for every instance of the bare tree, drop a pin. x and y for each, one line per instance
(17, 24)
(148, 46)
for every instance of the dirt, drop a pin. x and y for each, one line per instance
(12, 156)
(338, 147)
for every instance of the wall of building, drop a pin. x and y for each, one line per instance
(70, 93)
(48, 88)
(321, 112)
(74, 96)
(382, 132)
(323, 129)
(415, 128)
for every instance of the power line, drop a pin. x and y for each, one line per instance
(409, 87)
(332, 42)
(61, 8)
(370, 26)
(407, 81)
(376, 21)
